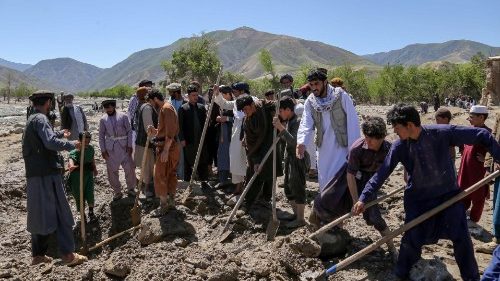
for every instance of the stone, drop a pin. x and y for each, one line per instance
(305, 246)
(5, 274)
(181, 242)
(116, 267)
(156, 229)
(333, 243)
(430, 270)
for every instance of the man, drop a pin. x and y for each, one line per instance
(134, 104)
(472, 167)
(443, 117)
(73, 118)
(237, 154)
(286, 82)
(211, 142)
(437, 102)
(330, 118)
(258, 138)
(295, 171)
(197, 85)
(167, 150)
(269, 95)
(192, 116)
(47, 206)
(146, 116)
(115, 142)
(177, 100)
(60, 101)
(424, 153)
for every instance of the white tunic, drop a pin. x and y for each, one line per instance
(331, 156)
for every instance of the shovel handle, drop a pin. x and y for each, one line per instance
(249, 184)
(411, 224)
(82, 205)
(328, 226)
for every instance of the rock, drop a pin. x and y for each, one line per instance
(227, 273)
(333, 243)
(20, 125)
(305, 246)
(117, 267)
(430, 270)
(5, 274)
(156, 229)
(181, 242)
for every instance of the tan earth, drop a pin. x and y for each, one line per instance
(183, 245)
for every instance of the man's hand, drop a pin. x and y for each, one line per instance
(256, 168)
(152, 131)
(221, 119)
(216, 90)
(277, 124)
(105, 155)
(66, 133)
(71, 168)
(164, 156)
(129, 150)
(183, 143)
(358, 208)
(301, 148)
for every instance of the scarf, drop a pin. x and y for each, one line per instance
(78, 118)
(325, 104)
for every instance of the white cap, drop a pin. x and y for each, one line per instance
(479, 109)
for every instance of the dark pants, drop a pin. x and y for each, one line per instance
(189, 158)
(262, 183)
(295, 180)
(223, 176)
(65, 242)
(449, 224)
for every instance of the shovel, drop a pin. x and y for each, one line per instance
(411, 224)
(274, 223)
(224, 234)
(84, 250)
(189, 189)
(135, 212)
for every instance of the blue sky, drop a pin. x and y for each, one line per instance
(105, 32)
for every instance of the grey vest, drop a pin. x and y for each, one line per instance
(38, 160)
(338, 119)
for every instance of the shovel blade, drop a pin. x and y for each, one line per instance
(272, 228)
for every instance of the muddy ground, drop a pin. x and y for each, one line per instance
(183, 245)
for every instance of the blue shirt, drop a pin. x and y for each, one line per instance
(427, 160)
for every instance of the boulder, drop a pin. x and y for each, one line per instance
(430, 270)
(117, 267)
(156, 229)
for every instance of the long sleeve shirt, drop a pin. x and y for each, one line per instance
(430, 169)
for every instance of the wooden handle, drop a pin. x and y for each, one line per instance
(412, 224)
(82, 205)
(249, 184)
(203, 134)
(109, 239)
(328, 226)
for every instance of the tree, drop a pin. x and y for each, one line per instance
(266, 60)
(196, 59)
(170, 71)
(354, 81)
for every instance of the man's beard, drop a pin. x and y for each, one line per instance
(112, 113)
(320, 93)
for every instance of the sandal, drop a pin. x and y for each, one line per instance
(77, 259)
(41, 259)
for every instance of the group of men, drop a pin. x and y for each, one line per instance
(316, 123)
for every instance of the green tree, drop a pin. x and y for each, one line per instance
(266, 60)
(197, 59)
(354, 81)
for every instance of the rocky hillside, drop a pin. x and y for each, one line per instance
(14, 65)
(67, 73)
(455, 51)
(17, 78)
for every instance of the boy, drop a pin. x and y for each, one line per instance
(295, 168)
(472, 166)
(89, 172)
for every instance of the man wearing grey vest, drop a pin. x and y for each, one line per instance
(47, 206)
(330, 120)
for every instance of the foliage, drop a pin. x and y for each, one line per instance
(117, 92)
(266, 60)
(196, 60)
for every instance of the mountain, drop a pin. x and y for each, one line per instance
(17, 78)
(238, 49)
(455, 51)
(66, 73)
(14, 65)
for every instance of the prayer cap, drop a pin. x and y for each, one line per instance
(479, 109)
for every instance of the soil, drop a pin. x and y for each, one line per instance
(184, 244)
